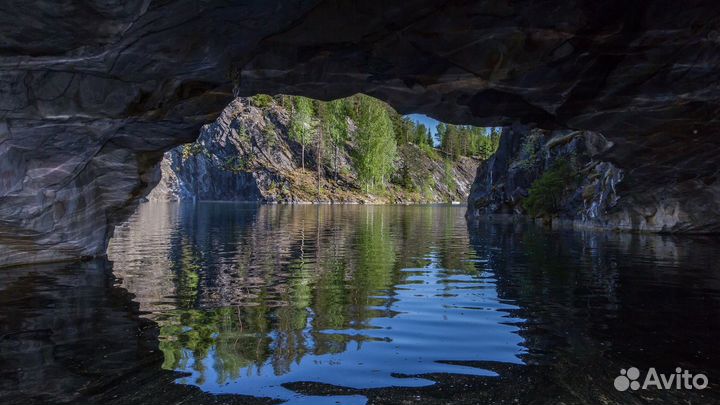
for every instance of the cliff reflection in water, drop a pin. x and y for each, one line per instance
(359, 304)
(248, 298)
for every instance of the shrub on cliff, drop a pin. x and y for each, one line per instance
(261, 100)
(546, 193)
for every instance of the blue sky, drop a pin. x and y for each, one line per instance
(429, 122)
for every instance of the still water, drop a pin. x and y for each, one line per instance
(359, 304)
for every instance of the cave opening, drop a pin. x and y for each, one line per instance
(293, 149)
(607, 116)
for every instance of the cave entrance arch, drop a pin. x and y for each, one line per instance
(290, 149)
(95, 93)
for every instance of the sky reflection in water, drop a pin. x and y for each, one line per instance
(249, 298)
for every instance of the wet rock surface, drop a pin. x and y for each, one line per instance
(94, 92)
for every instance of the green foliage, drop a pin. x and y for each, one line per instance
(286, 102)
(301, 125)
(422, 137)
(428, 187)
(236, 164)
(431, 152)
(332, 126)
(375, 122)
(243, 134)
(270, 135)
(261, 100)
(529, 149)
(364, 128)
(547, 192)
(402, 127)
(405, 180)
(467, 140)
(191, 149)
(334, 121)
(376, 144)
(449, 177)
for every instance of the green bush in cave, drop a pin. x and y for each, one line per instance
(546, 193)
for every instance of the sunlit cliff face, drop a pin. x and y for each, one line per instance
(94, 93)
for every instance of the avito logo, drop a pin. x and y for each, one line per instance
(681, 379)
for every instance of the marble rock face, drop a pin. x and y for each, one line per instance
(598, 193)
(92, 93)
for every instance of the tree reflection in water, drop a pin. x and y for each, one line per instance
(256, 290)
(319, 305)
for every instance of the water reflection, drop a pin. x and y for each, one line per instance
(362, 297)
(359, 304)
(66, 330)
(598, 302)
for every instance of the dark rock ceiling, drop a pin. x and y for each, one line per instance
(92, 92)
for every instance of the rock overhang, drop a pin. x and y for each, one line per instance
(116, 83)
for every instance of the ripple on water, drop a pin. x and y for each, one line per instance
(264, 301)
(353, 297)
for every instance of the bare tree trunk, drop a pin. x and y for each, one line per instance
(319, 160)
(302, 158)
(336, 161)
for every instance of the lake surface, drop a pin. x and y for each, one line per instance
(221, 302)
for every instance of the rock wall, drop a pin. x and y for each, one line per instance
(247, 154)
(94, 92)
(603, 195)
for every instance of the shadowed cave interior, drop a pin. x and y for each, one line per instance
(94, 93)
(88, 111)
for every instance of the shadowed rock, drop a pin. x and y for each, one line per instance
(93, 92)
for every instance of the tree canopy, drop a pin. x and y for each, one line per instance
(376, 142)
(467, 140)
(376, 133)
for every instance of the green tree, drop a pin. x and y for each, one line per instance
(261, 100)
(402, 127)
(333, 121)
(452, 141)
(546, 193)
(301, 126)
(376, 145)
(421, 135)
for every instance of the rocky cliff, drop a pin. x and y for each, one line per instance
(247, 154)
(594, 193)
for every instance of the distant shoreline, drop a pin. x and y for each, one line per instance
(453, 203)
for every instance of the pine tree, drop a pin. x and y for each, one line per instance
(421, 134)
